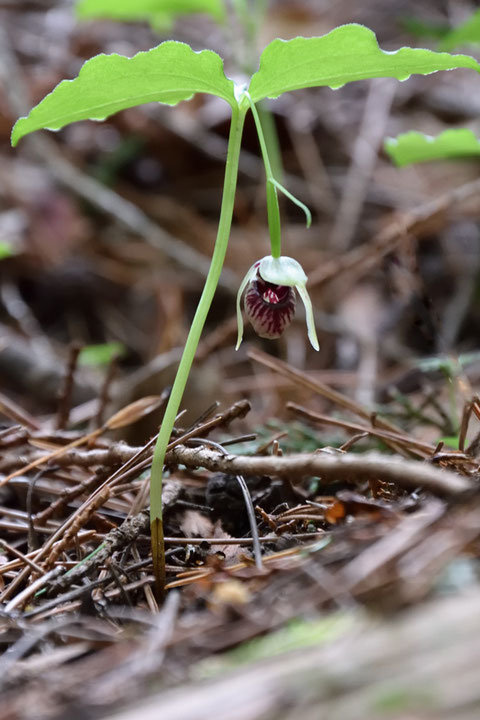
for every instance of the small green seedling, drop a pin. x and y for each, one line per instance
(173, 72)
(102, 354)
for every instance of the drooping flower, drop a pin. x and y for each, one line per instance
(270, 298)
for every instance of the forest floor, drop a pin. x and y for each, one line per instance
(361, 461)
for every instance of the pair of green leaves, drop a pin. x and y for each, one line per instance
(173, 72)
(415, 147)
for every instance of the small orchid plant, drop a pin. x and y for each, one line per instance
(173, 72)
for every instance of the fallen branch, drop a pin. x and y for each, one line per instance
(328, 467)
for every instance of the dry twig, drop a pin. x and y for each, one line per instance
(330, 468)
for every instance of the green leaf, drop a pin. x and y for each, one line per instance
(106, 84)
(297, 635)
(450, 441)
(6, 250)
(101, 354)
(422, 29)
(348, 53)
(466, 34)
(161, 23)
(151, 10)
(415, 147)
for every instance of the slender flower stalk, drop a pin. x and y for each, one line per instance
(211, 282)
(273, 209)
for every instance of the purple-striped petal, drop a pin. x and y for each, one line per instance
(270, 308)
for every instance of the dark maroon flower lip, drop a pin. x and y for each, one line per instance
(272, 294)
(270, 308)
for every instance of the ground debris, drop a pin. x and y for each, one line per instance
(359, 598)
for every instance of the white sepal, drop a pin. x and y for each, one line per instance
(282, 271)
(250, 274)
(311, 332)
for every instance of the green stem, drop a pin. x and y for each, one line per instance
(273, 212)
(273, 209)
(211, 282)
(251, 16)
(271, 139)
